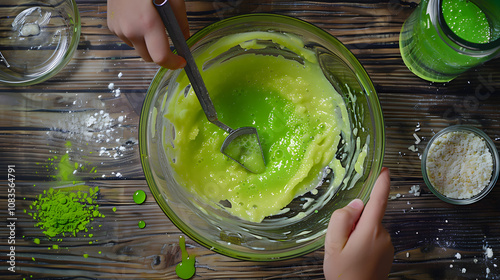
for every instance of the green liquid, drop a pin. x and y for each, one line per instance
(467, 21)
(423, 49)
(139, 197)
(141, 224)
(299, 117)
(186, 268)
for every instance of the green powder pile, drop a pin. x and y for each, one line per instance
(63, 212)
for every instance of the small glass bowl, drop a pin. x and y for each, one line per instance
(495, 158)
(37, 39)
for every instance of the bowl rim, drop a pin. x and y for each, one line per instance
(378, 138)
(73, 45)
(496, 164)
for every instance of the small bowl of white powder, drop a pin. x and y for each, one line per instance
(460, 164)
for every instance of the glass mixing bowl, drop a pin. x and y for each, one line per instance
(300, 229)
(37, 39)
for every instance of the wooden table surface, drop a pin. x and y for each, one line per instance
(37, 122)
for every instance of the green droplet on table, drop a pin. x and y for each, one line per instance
(139, 197)
(142, 224)
(185, 269)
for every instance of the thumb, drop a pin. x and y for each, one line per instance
(341, 225)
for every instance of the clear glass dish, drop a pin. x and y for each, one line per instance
(37, 39)
(495, 158)
(302, 229)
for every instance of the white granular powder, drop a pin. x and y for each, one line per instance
(489, 253)
(415, 190)
(459, 164)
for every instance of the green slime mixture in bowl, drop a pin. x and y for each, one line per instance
(298, 114)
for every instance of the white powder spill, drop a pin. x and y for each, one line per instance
(89, 124)
(414, 147)
(415, 190)
(488, 252)
(417, 139)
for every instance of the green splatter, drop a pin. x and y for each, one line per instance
(139, 197)
(55, 246)
(114, 209)
(85, 255)
(62, 212)
(142, 224)
(186, 268)
(65, 169)
(33, 258)
(36, 241)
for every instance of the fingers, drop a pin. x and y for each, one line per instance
(341, 225)
(139, 25)
(375, 208)
(158, 49)
(140, 46)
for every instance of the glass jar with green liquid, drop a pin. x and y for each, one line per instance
(443, 38)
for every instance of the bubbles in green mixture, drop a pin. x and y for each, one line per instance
(467, 20)
(246, 150)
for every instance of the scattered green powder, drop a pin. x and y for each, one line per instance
(142, 224)
(64, 168)
(139, 197)
(61, 212)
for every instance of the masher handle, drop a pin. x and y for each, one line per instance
(170, 22)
